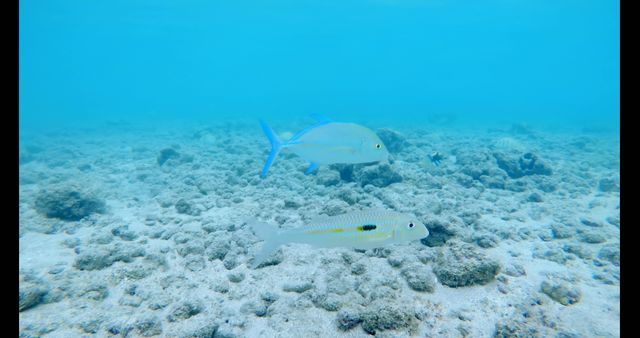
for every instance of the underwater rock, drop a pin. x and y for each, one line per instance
(159, 301)
(530, 319)
(608, 277)
(590, 222)
(554, 254)
(516, 186)
(91, 326)
(349, 196)
(124, 233)
(298, 286)
(608, 185)
(560, 231)
(348, 319)
(527, 164)
(95, 291)
(192, 247)
(261, 310)
(227, 331)
(205, 331)
(460, 265)
(67, 204)
(396, 259)
(614, 220)
(515, 329)
(545, 183)
(183, 207)
(149, 325)
(380, 175)
(534, 197)
(327, 178)
(578, 250)
(393, 140)
(346, 171)
(194, 262)
(236, 276)
(592, 237)
(156, 260)
(94, 259)
(334, 207)
(486, 241)
(419, 278)
(515, 270)
(184, 310)
(440, 231)
(477, 165)
(291, 204)
(269, 297)
(358, 269)
(561, 293)
(611, 254)
(384, 316)
(31, 294)
(328, 301)
(167, 154)
(102, 237)
(230, 261)
(100, 258)
(218, 248)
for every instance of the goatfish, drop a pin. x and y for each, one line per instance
(366, 229)
(328, 142)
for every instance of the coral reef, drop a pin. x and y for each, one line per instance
(68, 204)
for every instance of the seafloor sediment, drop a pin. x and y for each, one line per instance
(139, 233)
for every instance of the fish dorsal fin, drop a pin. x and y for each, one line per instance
(321, 119)
(320, 220)
(351, 217)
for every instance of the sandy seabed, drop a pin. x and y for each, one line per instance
(143, 232)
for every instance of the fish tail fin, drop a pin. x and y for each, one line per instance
(276, 145)
(272, 240)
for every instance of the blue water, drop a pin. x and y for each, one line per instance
(140, 157)
(537, 62)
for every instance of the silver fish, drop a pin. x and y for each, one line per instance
(359, 230)
(328, 142)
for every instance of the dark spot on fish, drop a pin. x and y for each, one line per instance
(367, 227)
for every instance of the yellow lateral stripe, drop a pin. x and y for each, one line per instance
(366, 227)
(314, 232)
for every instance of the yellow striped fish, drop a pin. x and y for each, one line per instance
(366, 229)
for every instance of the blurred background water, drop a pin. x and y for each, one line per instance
(405, 62)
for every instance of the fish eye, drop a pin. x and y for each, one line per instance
(378, 146)
(411, 225)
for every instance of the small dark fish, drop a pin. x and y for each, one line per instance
(436, 158)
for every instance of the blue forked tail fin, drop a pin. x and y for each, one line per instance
(276, 145)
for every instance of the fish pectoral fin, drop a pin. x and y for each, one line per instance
(312, 168)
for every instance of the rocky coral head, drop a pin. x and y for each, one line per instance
(524, 165)
(68, 204)
(167, 154)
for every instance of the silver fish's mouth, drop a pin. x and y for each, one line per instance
(426, 234)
